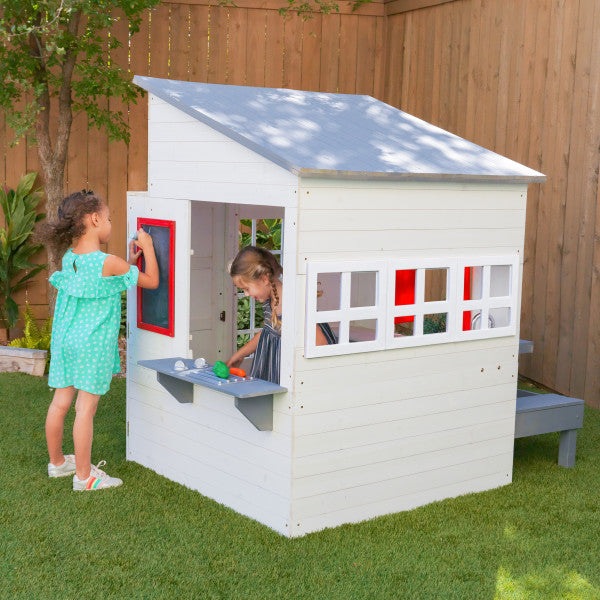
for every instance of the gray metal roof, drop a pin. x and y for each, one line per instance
(336, 135)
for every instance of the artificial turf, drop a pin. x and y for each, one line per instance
(151, 538)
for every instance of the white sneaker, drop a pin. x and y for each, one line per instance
(98, 480)
(67, 468)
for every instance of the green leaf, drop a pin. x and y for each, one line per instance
(25, 185)
(12, 312)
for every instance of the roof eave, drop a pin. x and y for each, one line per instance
(433, 177)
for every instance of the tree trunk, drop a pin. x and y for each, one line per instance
(53, 159)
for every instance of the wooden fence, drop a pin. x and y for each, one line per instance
(520, 77)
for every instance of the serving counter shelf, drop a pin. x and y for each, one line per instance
(253, 397)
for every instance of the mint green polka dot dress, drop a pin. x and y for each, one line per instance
(84, 349)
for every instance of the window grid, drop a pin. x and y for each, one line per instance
(420, 307)
(385, 310)
(346, 313)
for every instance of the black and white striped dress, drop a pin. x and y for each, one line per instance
(267, 356)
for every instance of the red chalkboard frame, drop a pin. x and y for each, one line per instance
(170, 330)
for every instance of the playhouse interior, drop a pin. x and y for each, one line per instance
(216, 235)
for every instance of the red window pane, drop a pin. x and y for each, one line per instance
(405, 292)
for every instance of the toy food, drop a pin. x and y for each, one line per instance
(221, 370)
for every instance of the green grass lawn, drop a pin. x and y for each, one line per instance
(535, 539)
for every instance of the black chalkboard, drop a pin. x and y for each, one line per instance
(156, 310)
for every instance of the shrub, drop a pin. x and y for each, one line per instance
(33, 336)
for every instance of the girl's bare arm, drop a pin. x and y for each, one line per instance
(235, 360)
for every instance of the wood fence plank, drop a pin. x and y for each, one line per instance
(438, 58)
(578, 77)
(217, 55)
(381, 59)
(443, 65)
(348, 61)
(544, 110)
(407, 89)
(365, 55)
(463, 74)
(311, 53)
(532, 125)
(159, 40)
(236, 48)
(396, 44)
(526, 58)
(592, 379)
(198, 61)
(274, 50)
(588, 77)
(137, 159)
(77, 163)
(179, 42)
(514, 42)
(553, 197)
(256, 48)
(475, 83)
(330, 53)
(117, 151)
(292, 54)
(420, 101)
(97, 147)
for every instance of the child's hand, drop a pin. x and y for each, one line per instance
(133, 254)
(144, 240)
(235, 360)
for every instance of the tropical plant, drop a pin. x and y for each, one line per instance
(268, 233)
(33, 336)
(20, 216)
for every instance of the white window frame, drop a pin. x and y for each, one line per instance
(420, 308)
(345, 313)
(385, 310)
(487, 302)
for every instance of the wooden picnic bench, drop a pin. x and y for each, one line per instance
(547, 413)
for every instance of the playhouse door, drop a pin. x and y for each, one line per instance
(158, 320)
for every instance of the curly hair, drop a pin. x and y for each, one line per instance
(251, 263)
(70, 224)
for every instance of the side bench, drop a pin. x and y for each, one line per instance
(545, 413)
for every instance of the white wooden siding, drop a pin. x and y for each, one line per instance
(371, 220)
(389, 430)
(207, 445)
(188, 159)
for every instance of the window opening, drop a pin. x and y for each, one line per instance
(409, 302)
(265, 233)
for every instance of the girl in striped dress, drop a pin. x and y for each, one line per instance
(258, 274)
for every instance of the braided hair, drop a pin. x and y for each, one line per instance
(70, 224)
(251, 263)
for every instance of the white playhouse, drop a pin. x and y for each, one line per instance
(407, 240)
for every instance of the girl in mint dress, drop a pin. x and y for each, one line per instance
(87, 315)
